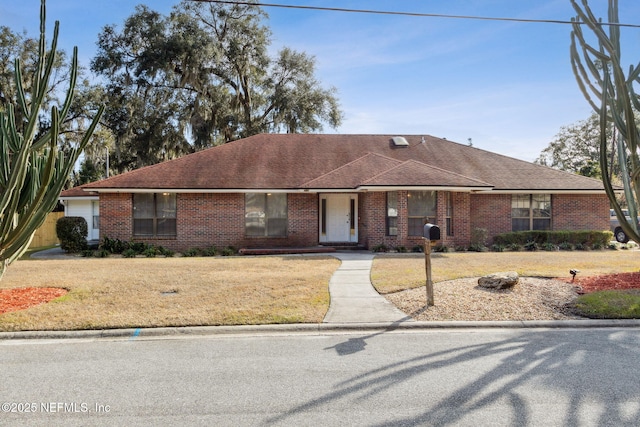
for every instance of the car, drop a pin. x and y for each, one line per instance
(618, 232)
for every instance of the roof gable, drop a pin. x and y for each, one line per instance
(412, 173)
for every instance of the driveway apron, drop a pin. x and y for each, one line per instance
(353, 297)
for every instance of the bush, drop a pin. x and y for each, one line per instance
(479, 237)
(440, 248)
(401, 249)
(229, 251)
(586, 238)
(380, 248)
(191, 252)
(129, 253)
(114, 246)
(210, 251)
(566, 246)
(498, 248)
(417, 249)
(72, 232)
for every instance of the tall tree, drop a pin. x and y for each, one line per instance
(576, 148)
(611, 94)
(203, 76)
(32, 169)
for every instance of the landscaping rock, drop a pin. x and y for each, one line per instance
(502, 280)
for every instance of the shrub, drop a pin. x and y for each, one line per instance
(515, 247)
(476, 247)
(479, 237)
(210, 251)
(115, 246)
(101, 253)
(72, 232)
(129, 253)
(165, 252)
(150, 252)
(191, 252)
(380, 248)
(229, 251)
(440, 248)
(498, 248)
(587, 238)
(401, 249)
(139, 247)
(550, 247)
(417, 249)
(531, 246)
(566, 246)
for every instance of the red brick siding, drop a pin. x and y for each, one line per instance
(116, 216)
(580, 212)
(492, 212)
(569, 212)
(218, 219)
(206, 219)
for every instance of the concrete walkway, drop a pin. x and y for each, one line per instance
(353, 297)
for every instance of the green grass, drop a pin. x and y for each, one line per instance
(613, 304)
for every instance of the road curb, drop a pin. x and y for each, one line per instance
(135, 333)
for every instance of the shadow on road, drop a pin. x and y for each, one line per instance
(521, 369)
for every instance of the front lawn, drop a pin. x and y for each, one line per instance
(152, 292)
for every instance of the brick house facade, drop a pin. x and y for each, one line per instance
(308, 190)
(204, 220)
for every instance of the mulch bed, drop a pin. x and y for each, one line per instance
(617, 281)
(21, 298)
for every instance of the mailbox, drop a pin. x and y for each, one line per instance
(431, 232)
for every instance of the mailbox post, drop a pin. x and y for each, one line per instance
(431, 234)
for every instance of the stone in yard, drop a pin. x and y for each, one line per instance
(499, 280)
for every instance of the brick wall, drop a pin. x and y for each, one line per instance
(116, 216)
(580, 212)
(490, 211)
(206, 219)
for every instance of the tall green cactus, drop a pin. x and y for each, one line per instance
(32, 169)
(611, 94)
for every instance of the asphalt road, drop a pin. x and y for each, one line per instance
(474, 377)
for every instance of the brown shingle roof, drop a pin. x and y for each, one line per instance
(296, 161)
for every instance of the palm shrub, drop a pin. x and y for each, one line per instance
(32, 169)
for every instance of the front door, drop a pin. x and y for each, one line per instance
(338, 218)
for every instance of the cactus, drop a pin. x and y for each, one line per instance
(611, 94)
(32, 169)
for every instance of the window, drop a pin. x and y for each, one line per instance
(95, 210)
(265, 214)
(421, 207)
(530, 212)
(448, 216)
(392, 213)
(154, 214)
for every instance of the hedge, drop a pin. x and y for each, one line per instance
(587, 238)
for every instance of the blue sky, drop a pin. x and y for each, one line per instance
(507, 86)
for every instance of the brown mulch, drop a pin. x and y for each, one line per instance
(607, 282)
(22, 298)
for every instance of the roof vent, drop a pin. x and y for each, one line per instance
(399, 141)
